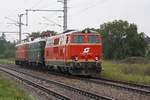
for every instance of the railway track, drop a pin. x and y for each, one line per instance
(142, 89)
(46, 86)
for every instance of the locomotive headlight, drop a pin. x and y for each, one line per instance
(76, 58)
(96, 58)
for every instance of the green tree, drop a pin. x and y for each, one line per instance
(2, 45)
(44, 33)
(35, 34)
(122, 40)
(7, 48)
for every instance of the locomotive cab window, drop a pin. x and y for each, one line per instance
(78, 39)
(56, 41)
(67, 40)
(93, 39)
(49, 42)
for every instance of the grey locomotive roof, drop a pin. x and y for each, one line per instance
(37, 40)
(34, 41)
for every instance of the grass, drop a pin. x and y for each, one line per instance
(135, 73)
(9, 91)
(7, 61)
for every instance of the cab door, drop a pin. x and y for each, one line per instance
(66, 49)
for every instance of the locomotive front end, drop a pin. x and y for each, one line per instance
(85, 52)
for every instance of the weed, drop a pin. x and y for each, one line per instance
(136, 73)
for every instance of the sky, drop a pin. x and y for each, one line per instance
(81, 14)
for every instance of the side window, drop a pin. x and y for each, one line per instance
(61, 40)
(49, 42)
(47, 53)
(67, 40)
(56, 41)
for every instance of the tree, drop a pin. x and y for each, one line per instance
(42, 34)
(35, 34)
(7, 48)
(2, 44)
(147, 39)
(122, 40)
(48, 33)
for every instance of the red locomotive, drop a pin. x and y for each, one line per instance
(22, 54)
(72, 52)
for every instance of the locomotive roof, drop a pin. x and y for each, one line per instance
(37, 40)
(68, 32)
(21, 44)
(34, 41)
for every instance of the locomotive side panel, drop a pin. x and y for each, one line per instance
(55, 51)
(21, 54)
(36, 53)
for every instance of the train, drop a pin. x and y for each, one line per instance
(73, 52)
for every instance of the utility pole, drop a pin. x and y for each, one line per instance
(65, 15)
(39, 10)
(64, 11)
(20, 26)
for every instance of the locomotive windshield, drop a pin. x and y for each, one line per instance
(86, 39)
(93, 39)
(78, 39)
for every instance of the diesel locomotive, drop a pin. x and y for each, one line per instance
(71, 52)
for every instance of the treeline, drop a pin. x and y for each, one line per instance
(7, 49)
(122, 40)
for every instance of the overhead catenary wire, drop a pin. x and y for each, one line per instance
(47, 6)
(52, 22)
(35, 5)
(39, 2)
(11, 19)
(78, 13)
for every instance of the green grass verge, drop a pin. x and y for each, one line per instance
(9, 90)
(7, 61)
(135, 73)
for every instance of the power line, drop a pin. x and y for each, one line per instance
(87, 8)
(47, 5)
(15, 32)
(11, 19)
(34, 10)
(52, 22)
(20, 26)
(64, 11)
(39, 2)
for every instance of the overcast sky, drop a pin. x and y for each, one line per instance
(81, 14)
